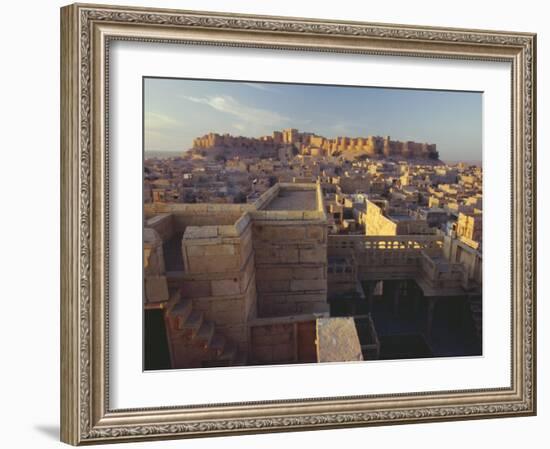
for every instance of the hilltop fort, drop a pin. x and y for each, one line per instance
(309, 144)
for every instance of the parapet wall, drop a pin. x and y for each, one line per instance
(219, 275)
(163, 224)
(283, 340)
(291, 267)
(243, 261)
(201, 215)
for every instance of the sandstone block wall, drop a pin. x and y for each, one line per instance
(163, 224)
(291, 263)
(156, 289)
(155, 282)
(184, 215)
(376, 223)
(153, 254)
(272, 343)
(281, 341)
(245, 261)
(219, 276)
(457, 252)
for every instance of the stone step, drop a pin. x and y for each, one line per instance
(205, 333)
(175, 297)
(229, 352)
(181, 311)
(193, 321)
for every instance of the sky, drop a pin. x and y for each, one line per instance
(178, 110)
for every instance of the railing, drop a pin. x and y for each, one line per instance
(345, 244)
(341, 272)
(409, 254)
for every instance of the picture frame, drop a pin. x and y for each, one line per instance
(87, 31)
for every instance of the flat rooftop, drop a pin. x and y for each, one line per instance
(288, 199)
(400, 217)
(337, 340)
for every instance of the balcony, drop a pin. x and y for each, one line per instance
(418, 257)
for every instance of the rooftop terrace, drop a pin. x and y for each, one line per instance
(294, 200)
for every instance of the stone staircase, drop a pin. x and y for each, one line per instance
(474, 303)
(219, 350)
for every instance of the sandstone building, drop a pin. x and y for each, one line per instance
(240, 284)
(312, 144)
(265, 283)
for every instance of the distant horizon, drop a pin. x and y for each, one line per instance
(178, 110)
(161, 154)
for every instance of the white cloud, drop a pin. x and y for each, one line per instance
(250, 114)
(156, 121)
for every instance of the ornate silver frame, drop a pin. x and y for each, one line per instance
(86, 31)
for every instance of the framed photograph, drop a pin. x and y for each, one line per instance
(281, 224)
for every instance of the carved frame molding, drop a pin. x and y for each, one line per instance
(87, 31)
